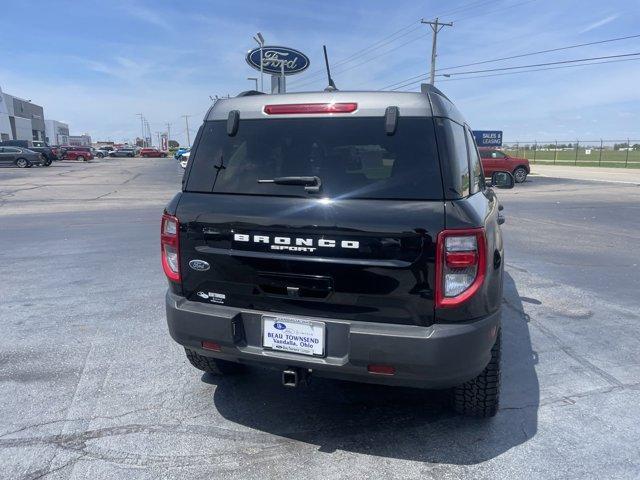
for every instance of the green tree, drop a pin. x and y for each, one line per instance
(173, 144)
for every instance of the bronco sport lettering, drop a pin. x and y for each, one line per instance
(296, 244)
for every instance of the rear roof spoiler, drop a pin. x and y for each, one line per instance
(428, 88)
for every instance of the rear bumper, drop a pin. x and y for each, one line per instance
(439, 356)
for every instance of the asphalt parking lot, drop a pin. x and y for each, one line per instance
(92, 386)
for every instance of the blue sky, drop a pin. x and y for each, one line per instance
(96, 65)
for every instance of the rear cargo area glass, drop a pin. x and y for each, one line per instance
(353, 157)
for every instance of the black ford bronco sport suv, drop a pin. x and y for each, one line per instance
(340, 234)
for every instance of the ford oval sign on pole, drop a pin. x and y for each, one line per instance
(275, 57)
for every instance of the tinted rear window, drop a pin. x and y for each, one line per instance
(353, 157)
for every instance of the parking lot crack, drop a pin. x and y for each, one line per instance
(130, 179)
(13, 192)
(104, 195)
(48, 471)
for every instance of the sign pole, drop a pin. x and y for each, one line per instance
(283, 85)
(261, 69)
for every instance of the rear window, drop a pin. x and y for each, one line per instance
(353, 157)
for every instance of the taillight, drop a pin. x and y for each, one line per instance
(170, 247)
(460, 265)
(312, 108)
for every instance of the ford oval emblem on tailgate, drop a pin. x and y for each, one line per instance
(199, 265)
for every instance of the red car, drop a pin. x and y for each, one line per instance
(152, 152)
(494, 160)
(82, 154)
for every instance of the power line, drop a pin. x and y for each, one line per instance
(337, 66)
(541, 69)
(372, 46)
(575, 60)
(367, 60)
(528, 66)
(568, 47)
(469, 6)
(387, 40)
(494, 11)
(312, 78)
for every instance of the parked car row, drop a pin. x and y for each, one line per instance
(49, 153)
(25, 153)
(22, 157)
(87, 153)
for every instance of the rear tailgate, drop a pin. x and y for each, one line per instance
(365, 260)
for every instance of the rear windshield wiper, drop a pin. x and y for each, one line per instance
(311, 184)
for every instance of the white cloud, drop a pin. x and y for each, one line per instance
(600, 23)
(147, 15)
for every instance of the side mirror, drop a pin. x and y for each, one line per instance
(502, 180)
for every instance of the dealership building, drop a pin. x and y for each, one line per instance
(80, 140)
(57, 133)
(20, 119)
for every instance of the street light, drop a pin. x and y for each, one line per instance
(260, 41)
(255, 79)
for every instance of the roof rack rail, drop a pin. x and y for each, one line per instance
(250, 93)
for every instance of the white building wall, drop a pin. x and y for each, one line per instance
(23, 129)
(5, 125)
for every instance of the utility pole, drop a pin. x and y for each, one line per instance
(186, 119)
(436, 26)
(158, 137)
(168, 135)
(147, 135)
(141, 125)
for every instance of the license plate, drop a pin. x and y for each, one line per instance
(293, 335)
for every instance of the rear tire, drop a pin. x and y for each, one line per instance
(520, 174)
(80, 158)
(480, 397)
(213, 365)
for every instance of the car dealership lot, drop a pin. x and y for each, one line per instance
(92, 386)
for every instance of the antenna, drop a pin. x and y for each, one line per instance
(331, 86)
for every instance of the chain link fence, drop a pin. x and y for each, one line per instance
(591, 153)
